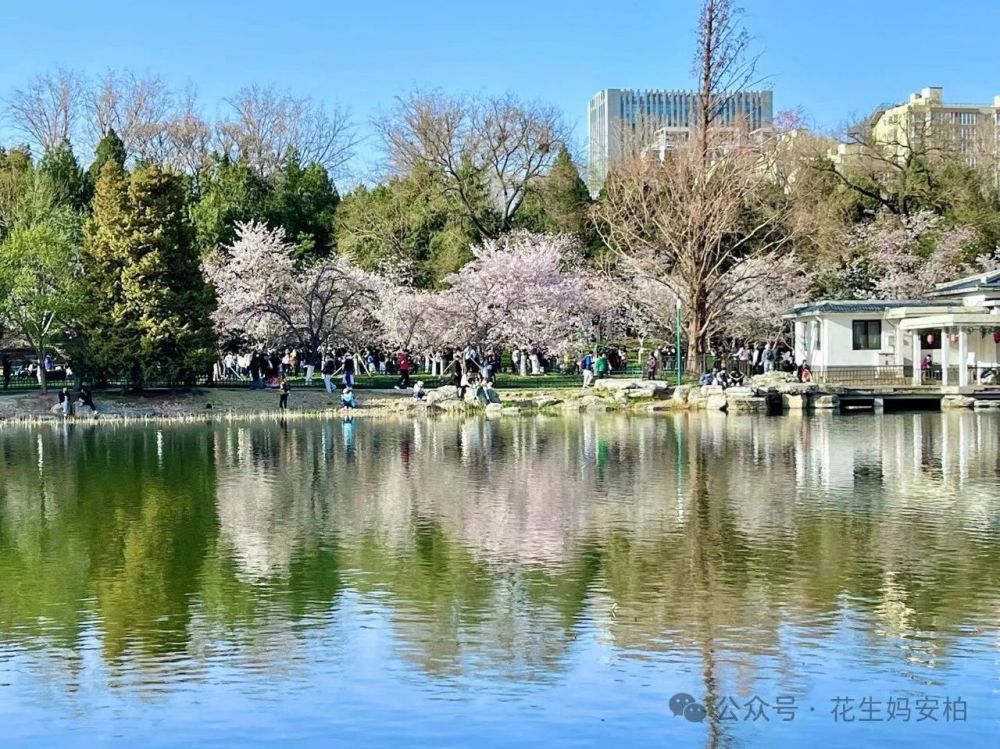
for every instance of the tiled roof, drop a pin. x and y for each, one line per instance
(981, 281)
(861, 305)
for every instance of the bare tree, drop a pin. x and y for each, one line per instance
(722, 64)
(48, 109)
(898, 168)
(497, 145)
(135, 106)
(264, 125)
(706, 234)
(184, 141)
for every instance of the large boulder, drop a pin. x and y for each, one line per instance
(957, 401)
(681, 394)
(794, 401)
(824, 402)
(773, 379)
(593, 403)
(441, 394)
(716, 402)
(745, 403)
(634, 389)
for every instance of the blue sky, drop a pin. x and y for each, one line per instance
(834, 59)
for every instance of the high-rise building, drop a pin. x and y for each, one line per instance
(618, 118)
(926, 121)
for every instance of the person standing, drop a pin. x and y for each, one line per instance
(403, 362)
(651, 367)
(603, 365)
(284, 388)
(311, 359)
(329, 367)
(768, 358)
(587, 369)
(348, 368)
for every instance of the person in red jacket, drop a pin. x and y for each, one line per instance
(403, 362)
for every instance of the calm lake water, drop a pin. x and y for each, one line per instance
(522, 582)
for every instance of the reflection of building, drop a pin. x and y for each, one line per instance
(657, 119)
(898, 335)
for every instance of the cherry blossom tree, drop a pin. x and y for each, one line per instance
(518, 291)
(905, 257)
(267, 296)
(760, 291)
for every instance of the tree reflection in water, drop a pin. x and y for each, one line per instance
(493, 545)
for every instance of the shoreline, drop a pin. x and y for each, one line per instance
(613, 395)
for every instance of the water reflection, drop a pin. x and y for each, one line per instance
(741, 551)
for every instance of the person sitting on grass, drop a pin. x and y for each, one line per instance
(347, 399)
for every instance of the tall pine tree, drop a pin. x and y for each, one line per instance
(110, 148)
(148, 318)
(62, 175)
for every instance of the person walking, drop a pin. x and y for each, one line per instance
(329, 367)
(284, 388)
(403, 362)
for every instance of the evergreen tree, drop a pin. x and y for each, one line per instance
(560, 204)
(230, 192)
(409, 221)
(64, 178)
(304, 202)
(149, 304)
(110, 148)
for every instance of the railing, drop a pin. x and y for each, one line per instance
(863, 375)
(902, 375)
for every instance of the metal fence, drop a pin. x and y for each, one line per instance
(890, 375)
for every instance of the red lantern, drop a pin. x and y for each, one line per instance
(930, 339)
(996, 336)
(954, 337)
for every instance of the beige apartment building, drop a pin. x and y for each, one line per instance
(928, 123)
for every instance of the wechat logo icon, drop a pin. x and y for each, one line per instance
(684, 704)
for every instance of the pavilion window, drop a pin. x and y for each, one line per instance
(867, 335)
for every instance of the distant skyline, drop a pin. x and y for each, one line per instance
(834, 60)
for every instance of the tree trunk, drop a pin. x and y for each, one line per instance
(695, 345)
(41, 373)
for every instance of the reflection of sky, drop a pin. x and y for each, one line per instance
(342, 685)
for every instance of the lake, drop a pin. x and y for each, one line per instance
(691, 580)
